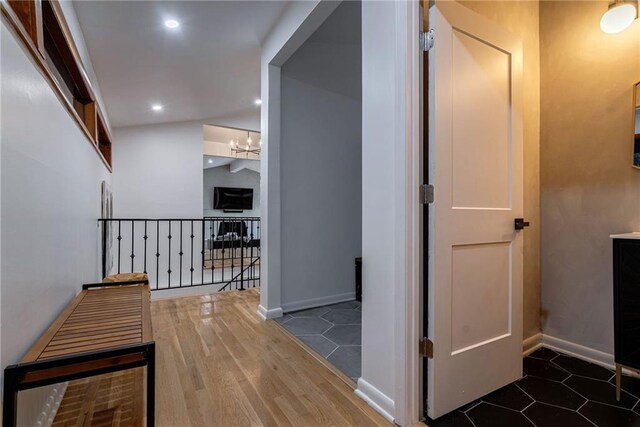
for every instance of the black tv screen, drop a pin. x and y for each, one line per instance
(227, 198)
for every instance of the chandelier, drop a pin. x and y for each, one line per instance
(237, 149)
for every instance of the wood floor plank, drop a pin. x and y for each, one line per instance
(219, 364)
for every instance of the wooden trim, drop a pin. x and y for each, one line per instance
(35, 48)
(71, 45)
(101, 117)
(25, 12)
(90, 120)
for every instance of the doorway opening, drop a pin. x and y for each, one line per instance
(321, 190)
(231, 206)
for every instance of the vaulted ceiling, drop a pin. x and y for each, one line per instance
(208, 67)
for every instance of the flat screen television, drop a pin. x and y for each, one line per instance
(232, 199)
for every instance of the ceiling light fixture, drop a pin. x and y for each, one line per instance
(258, 101)
(237, 149)
(171, 23)
(157, 107)
(210, 160)
(619, 16)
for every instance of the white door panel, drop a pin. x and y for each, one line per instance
(475, 165)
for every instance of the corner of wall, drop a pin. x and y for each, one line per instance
(384, 405)
(265, 314)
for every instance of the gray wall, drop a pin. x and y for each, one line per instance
(221, 177)
(321, 163)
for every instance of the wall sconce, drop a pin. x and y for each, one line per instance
(619, 16)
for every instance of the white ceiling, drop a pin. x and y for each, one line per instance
(224, 135)
(208, 68)
(234, 165)
(209, 162)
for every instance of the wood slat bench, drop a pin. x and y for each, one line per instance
(106, 328)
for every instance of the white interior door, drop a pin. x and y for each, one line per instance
(475, 165)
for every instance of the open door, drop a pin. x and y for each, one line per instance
(475, 165)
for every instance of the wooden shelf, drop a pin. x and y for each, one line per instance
(41, 27)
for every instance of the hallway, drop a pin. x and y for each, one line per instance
(219, 364)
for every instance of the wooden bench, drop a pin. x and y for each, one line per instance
(106, 328)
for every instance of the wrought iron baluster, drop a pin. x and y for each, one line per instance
(133, 235)
(157, 254)
(251, 242)
(119, 241)
(191, 269)
(224, 231)
(180, 253)
(169, 266)
(145, 247)
(212, 245)
(203, 262)
(104, 247)
(242, 232)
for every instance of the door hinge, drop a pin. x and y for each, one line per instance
(425, 347)
(426, 194)
(426, 40)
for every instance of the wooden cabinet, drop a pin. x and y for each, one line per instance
(626, 302)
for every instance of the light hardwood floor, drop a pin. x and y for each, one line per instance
(218, 364)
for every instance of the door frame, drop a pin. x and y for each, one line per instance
(409, 268)
(407, 404)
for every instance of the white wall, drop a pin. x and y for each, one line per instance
(378, 216)
(157, 169)
(388, 151)
(320, 160)
(50, 202)
(222, 177)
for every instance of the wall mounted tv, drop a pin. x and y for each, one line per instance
(232, 199)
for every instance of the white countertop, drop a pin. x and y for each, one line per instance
(633, 235)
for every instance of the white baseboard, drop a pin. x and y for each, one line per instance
(572, 349)
(51, 406)
(376, 399)
(265, 314)
(579, 351)
(531, 344)
(317, 302)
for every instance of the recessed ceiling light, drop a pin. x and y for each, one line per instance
(171, 23)
(258, 101)
(210, 160)
(157, 107)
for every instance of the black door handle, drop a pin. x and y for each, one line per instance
(520, 223)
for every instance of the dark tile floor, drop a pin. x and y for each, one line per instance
(557, 391)
(333, 331)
